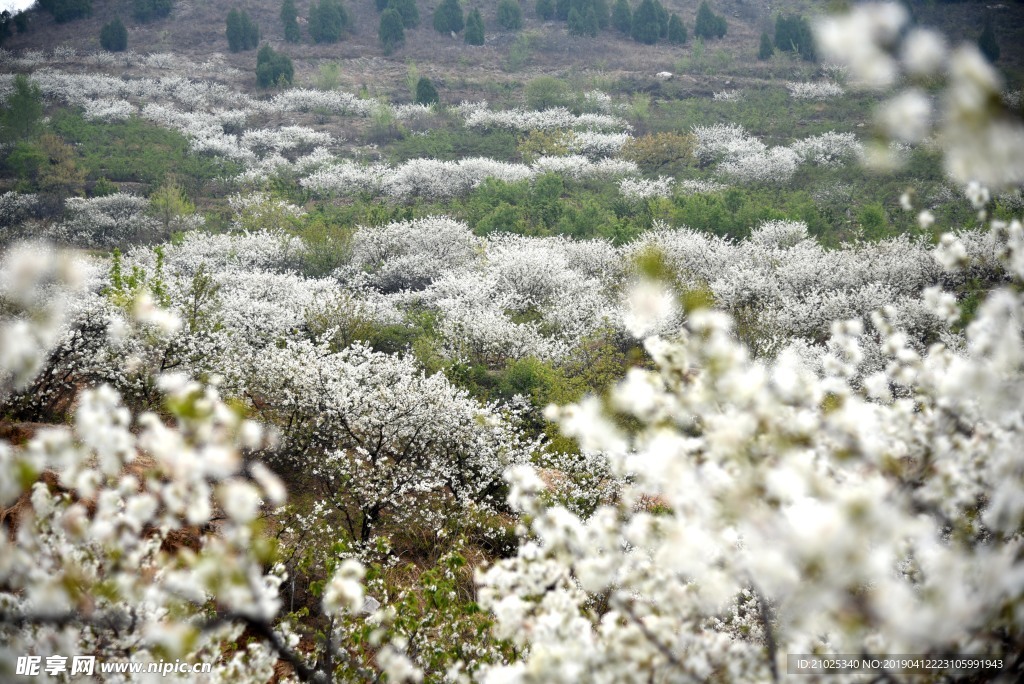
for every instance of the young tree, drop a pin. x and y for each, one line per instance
(662, 19)
(793, 34)
(22, 112)
(273, 68)
(61, 176)
(510, 15)
(546, 9)
(622, 17)
(767, 49)
(290, 21)
(602, 13)
(6, 22)
(327, 20)
(708, 24)
(391, 31)
(646, 28)
(448, 17)
(475, 28)
(987, 42)
(169, 205)
(408, 11)
(114, 36)
(576, 26)
(545, 92)
(676, 30)
(426, 93)
(242, 31)
(590, 23)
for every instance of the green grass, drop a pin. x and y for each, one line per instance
(137, 151)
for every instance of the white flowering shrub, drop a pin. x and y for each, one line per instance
(110, 221)
(820, 90)
(828, 149)
(435, 179)
(384, 442)
(479, 116)
(15, 207)
(643, 188)
(409, 255)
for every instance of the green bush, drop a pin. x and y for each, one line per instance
(545, 92)
(327, 20)
(290, 21)
(793, 34)
(448, 17)
(114, 36)
(407, 10)
(66, 10)
(151, 10)
(22, 112)
(646, 28)
(546, 9)
(510, 15)
(426, 93)
(391, 32)
(242, 31)
(622, 17)
(273, 68)
(766, 50)
(475, 28)
(709, 24)
(676, 30)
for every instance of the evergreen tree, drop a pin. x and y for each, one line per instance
(987, 42)
(474, 28)
(583, 23)
(408, 11)
(391, 31)
(602, 13)
(67, 10)
(546, 9)
(676, 30)
(708, 24)
(327, 21)
(426, 93)
(151, 10)
(273, 68)
(290, 21)
(767, 49)
(622, 17)
(590, 24)
(242, 31)
(662, 19)
(114, 36)
(21, 21)
(793, 34)
(510, 15)
(381, 5)
(562, 9)
(448, 17)
(6, 24)
(234, 30)
(646, 28)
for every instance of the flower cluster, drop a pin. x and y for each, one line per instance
(820, 90)
(548, 119)
(440, 179)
